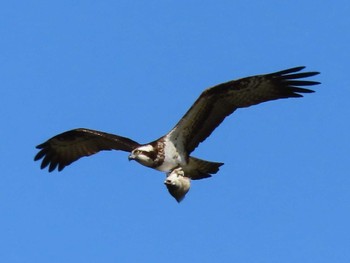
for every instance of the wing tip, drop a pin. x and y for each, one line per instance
(39, 155)
(40, 146)
(48, 161)
(287, 73)
(293, 83)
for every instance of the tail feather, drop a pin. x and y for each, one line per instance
(199, 169)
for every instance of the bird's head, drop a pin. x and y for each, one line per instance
(178, 185)
(145, 155)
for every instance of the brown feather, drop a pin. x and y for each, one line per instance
(65, 148)
(218, 102)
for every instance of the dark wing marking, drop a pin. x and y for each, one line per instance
(218, 102)
(65, 148)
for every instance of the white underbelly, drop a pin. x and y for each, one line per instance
(172, 158)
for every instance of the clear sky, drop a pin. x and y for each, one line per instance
(133, 68)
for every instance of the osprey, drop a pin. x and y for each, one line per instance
(171, 153)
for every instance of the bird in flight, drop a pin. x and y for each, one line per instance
(171, 153)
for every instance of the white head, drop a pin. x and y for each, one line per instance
(178, 185)
(144, 155)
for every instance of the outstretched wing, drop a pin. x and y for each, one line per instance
(65, 148)
(218, 102)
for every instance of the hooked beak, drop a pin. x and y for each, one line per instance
(131, 157)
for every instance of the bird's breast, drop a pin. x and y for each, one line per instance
(172, 158)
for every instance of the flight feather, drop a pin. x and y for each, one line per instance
(218, 102)
(65, 148)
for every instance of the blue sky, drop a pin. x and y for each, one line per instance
(133, 68)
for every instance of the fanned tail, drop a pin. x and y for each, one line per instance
(200, 169)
